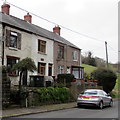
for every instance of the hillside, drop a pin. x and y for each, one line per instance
(117, 82)
(88, 68)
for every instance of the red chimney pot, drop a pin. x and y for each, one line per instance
(56, 29)
(28, 18)
(5, 8)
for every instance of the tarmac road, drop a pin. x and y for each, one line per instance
(83, 112)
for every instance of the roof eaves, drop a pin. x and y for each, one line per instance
(34, 29)
(26, 30)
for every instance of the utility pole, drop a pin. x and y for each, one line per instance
(106, 54)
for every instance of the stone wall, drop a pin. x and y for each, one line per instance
(5, 90)
(77, 87)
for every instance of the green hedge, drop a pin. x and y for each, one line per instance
(51, 95)
(14, 97)
(65, 79)
(42, 96)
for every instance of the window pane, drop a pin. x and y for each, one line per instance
(68, 70)
(75, 55)
(60, 52)
(75, 72)
(10, 62)
(13, 41)
(42, 46)
(60, 69)
(41, 67)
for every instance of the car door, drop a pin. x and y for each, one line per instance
(106, 98)
(103, 97)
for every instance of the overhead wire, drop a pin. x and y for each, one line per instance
(56, 23)
(112, 49)
(87, 36)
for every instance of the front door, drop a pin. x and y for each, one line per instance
(50, 70)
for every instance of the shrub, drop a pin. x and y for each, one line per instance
(65, 79)
(14, 97)
(18, 97)
(112, 94)
(24, 93)
(51, 95)
(106, 78)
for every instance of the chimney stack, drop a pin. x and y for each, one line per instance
(56, 29)
(5, 8)
(28, 18)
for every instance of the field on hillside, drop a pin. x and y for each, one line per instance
(88, 68)
(116, 90)
(117, 86)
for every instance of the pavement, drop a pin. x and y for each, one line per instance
(33, 110)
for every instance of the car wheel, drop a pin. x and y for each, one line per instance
(111, 103)
(78, 105)
(101, 105)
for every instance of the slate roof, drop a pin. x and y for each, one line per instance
(23, 25)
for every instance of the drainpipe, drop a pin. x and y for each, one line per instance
(3, 39)
(2, 51)
(2, 45)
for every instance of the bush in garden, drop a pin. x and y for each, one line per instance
(14, 96)
(106, 78)
(64, 94)
(52, 95)
(65, 79)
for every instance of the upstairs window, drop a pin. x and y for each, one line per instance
(75, 56)
(41, 46)
(60, 52)
(13, 39)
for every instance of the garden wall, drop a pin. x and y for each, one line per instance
(78, 86)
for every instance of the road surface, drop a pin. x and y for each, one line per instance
(83, 112)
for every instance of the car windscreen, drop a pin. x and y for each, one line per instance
(90, 92)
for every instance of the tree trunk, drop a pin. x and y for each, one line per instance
(20, 79)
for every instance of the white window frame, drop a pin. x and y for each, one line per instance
(60, 69)
(75, 55)
(13, 35)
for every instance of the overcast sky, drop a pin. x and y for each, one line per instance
(97, 19)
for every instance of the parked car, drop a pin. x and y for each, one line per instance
(94, 97)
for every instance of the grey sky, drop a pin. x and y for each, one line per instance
(95, 18)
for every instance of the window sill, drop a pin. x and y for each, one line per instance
(60, 59)
(13, 75)
(75, 60)
(12, 48)
(41, 53)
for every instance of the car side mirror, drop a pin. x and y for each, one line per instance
(108, 94)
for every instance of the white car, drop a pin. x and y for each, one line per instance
(94, 97)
